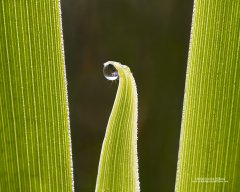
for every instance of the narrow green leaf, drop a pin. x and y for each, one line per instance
(34, 127)
(209, 156)
(118, 166)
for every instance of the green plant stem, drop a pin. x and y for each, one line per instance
(34, 127)
(209, 156)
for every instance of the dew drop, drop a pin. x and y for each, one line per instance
(109, 71)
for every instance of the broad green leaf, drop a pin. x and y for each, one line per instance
(34, 127)
(209, 156)
(118, 166)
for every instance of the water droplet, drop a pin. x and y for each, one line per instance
(109, 71)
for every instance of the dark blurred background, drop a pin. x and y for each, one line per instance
(152, 38)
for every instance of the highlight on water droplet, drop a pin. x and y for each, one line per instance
(109, 71)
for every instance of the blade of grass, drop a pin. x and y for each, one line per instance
(209, 157)
(34, 127)
(118, 166)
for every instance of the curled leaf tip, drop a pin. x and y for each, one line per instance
(112, 70)
(118, 166)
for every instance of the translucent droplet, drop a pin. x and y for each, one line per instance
(109, 71)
